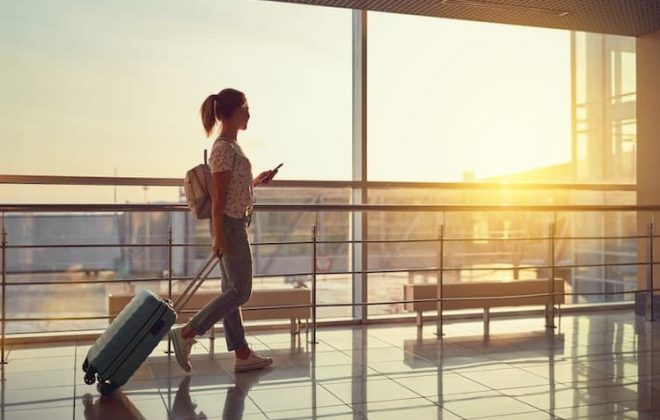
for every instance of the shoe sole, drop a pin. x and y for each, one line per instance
(254, 366)
(177, 352)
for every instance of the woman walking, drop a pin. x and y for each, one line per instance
(232, 197)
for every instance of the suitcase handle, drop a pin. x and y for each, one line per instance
(197, 281)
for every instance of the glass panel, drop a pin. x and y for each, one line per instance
(437, 108)
(413, 251)
(126, 102)
(591, 255)
(605, 83)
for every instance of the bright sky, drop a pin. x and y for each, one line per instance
(98, 88)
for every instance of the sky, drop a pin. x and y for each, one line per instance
(114, 87)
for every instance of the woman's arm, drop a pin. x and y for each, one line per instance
(219, 188)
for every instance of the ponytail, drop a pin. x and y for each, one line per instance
(208, 114)
(220, 107)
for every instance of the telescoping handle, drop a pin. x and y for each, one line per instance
(197, 281)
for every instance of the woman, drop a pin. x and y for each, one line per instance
(232, 195)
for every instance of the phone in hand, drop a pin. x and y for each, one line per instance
(272, 172)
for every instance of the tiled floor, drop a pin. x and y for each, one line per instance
(604, 365)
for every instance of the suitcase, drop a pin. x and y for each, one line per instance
(133, 335)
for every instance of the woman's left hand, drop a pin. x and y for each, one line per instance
(264, 178)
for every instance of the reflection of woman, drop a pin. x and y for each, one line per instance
(183, 407)
(231, 194)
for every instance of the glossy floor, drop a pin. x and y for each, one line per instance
(600, 365)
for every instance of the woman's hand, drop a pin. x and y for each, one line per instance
(265, 177)
(219, 246)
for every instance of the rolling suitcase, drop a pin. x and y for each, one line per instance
(133, 335)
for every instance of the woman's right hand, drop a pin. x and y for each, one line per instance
(219, 246)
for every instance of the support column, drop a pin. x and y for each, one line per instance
(648, 150)
(359, 158)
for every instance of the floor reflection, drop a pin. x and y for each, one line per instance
(603, 365)
(113, 407)
(183, 407)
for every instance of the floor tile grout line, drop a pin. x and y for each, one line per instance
(247, 395)
(165, 403)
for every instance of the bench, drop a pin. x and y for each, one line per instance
(495, 289)
(260, 298)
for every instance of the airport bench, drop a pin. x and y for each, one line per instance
(261, 298)
(495, 289)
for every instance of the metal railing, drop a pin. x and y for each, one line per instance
(441, 240)
(314, 242)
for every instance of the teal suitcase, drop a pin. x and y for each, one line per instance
(127, 342)
(133, 335)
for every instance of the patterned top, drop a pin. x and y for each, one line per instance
(228, 156)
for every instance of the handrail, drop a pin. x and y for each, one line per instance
(343, 304)
(177, 182)
(180, 207)
(347, 241)
(330, 273)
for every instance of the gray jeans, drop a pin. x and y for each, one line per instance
(236, 286)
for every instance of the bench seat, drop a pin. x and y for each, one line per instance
(260, 298)
(495, 289)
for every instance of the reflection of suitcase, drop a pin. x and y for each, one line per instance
(133, 335)
(116, 406)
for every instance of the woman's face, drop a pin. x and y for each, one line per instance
(241, 117)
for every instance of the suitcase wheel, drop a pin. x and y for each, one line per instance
(90, 375)
(90, 379)
(106, 388)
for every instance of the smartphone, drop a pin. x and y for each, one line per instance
(272, 172)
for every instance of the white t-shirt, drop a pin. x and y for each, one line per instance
(228, 156)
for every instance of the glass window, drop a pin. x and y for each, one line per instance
(114, 88)
(453, 100)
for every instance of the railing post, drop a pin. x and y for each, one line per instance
(649, 278)
(550, 306)
(4, 288)
(441, 243)
(314, 284)
(169, 262)
(169, 275)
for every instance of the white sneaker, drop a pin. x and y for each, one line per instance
(182, 348)
(254, 361)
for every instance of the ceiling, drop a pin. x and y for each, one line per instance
(620, 17)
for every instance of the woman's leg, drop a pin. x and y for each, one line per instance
(233, 321)
(236, 270)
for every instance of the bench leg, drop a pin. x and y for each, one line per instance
(295, 326)
(419, 319)
(486, 321)
(549, 315)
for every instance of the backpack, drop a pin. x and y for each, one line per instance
(197, 187)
